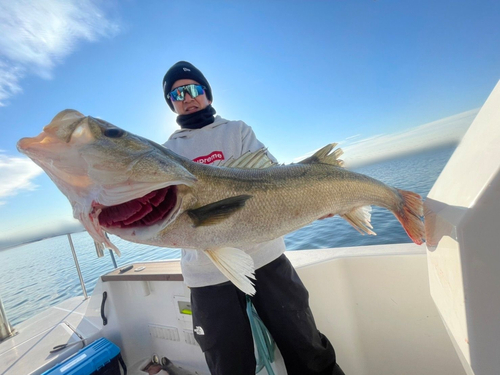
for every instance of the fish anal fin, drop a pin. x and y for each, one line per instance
(326, 156)
(236, 265)
(216, 212)
(360, 218)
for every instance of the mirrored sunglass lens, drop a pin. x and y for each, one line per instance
(194, 90)
(200, 89)
(177, 94)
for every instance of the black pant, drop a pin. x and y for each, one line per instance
(223, 331)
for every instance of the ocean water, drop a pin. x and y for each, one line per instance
(41, 274)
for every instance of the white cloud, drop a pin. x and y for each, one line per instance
(51, 228)
(353, 136)
(446, 131)
(15, 175)
(37, 35)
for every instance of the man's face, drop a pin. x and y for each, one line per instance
(189, 104)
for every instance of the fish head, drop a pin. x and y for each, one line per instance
(115, 181)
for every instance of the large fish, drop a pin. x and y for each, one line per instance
(140, 191)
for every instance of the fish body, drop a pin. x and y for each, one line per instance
(281, 199)
(142, 192)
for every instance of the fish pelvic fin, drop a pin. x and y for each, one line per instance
(216, 212)
(410, 215)
(326, 156)
(257, 160)
(360, 219)
(236, 265)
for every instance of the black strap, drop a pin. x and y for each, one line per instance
(104, 319)
(122, 362)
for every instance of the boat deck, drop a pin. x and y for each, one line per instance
(28, 352)
(147, 271)
(377, 306)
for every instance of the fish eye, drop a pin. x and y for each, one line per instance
(114, 132)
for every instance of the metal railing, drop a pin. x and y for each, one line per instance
(6, 329)
(80, 276)
(99, 253)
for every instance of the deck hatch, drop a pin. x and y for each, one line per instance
(189, 337)
(164, 332)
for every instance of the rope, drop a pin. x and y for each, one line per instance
(263, 340)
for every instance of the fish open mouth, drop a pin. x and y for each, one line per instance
(140, 212)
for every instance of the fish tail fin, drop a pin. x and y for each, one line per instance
(409, 215)
(236, 265)
(360, 219)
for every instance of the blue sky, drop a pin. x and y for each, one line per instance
(378, 76)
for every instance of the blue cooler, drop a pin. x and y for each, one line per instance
(102, 357)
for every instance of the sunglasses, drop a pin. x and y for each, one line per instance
(179, 93)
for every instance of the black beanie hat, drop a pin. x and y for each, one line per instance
(184, 70)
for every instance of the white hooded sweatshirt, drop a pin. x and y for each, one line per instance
(220, 140)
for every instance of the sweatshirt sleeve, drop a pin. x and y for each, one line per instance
(251, 143)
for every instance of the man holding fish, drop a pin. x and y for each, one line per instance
(126, 185)
(220, 321)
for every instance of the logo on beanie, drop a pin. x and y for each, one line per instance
(186, 69)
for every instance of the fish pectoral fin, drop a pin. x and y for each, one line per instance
(360, 218)
(326, 156)
(236, 265)
(216, 212)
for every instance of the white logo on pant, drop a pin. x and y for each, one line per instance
(199, 331)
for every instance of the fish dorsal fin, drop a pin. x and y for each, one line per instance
(256, 160)
(326, 156)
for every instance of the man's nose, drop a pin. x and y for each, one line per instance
(187, 97)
